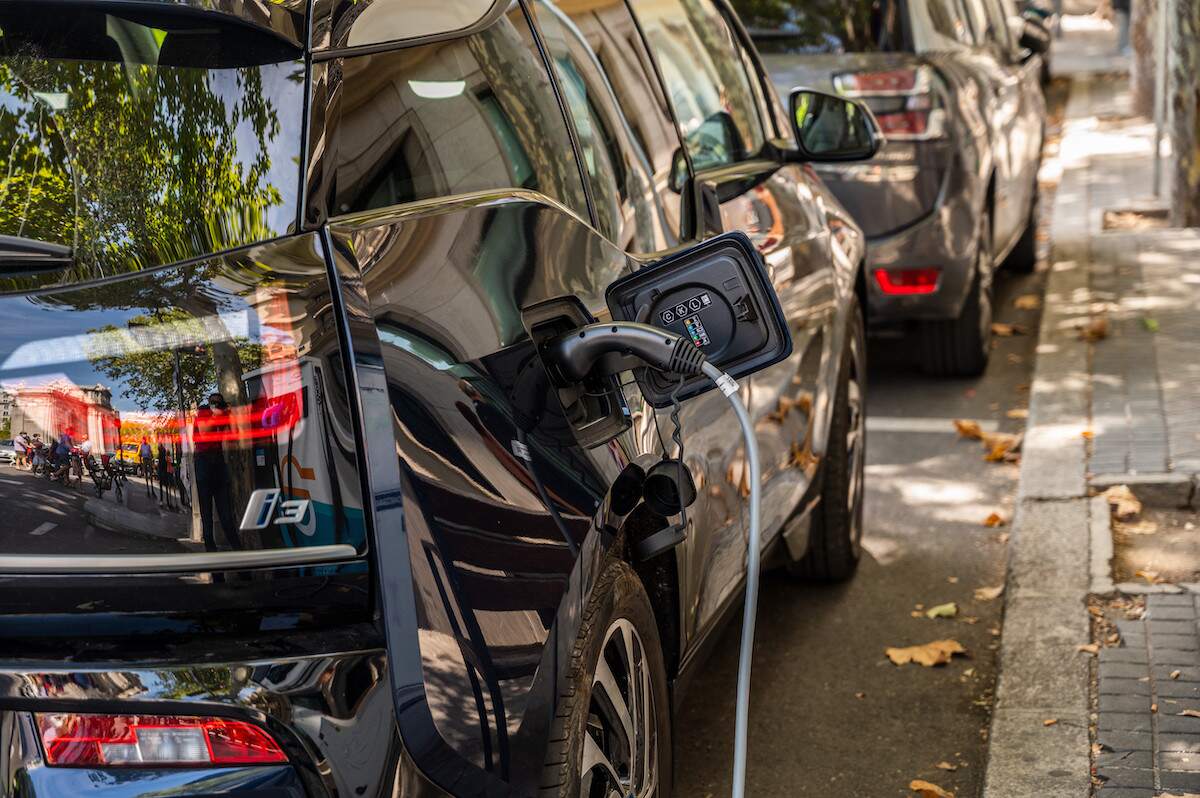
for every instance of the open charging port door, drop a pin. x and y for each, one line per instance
(717, 294)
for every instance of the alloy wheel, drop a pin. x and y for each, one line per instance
(620, 745)
(856, 442)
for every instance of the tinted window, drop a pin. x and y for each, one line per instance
(706, 83)
(800, 26)
(626, 135)
(200, 392)
(132, 141)
(473, 114)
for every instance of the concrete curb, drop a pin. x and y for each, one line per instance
(1169, 491)
(1042, 674)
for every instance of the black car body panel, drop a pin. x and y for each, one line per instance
(340, 330)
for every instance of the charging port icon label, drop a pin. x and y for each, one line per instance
(694, 305)
(695, 330)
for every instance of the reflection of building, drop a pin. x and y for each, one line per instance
(6, 407)
(53, 407)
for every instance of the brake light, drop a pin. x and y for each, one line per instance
(908, 281)
(77, 740)
(905, 101)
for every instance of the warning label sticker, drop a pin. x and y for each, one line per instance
(696, 331)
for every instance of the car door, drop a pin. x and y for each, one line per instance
(732, 131)
(1012, 122)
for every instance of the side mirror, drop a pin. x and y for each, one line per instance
(717, 294)
(1034, 37)
(832, 128)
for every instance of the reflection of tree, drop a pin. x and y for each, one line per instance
(149, 374)
(132, 164)
(816, 22)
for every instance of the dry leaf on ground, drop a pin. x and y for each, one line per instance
(1090, 648)
(1190, 713)
(938, 652)
(1050, 721)
(1138, 528)
(927, 790)
(1027, 302)
(999, 445)
(1125, 506)
(1007, 330)
(1018, 412)
(968, 428)
(1175, 674)
(1095, 330)
(943, 765)
(1149, 576)
(988, 593)
(994, 520)
(947, 610)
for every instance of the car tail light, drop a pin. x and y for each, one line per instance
(908, 281)
(76, 740)
(904, 101)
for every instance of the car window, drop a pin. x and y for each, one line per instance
(474, 114)
(706, 83)
(799, 27)
(214, 392)
(134, 139)
(625, 133)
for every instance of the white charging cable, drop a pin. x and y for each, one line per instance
(729, 387)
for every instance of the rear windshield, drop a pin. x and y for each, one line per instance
(799, 27)
(129, 140)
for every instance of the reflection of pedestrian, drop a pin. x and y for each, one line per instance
(212, 473)
(164, 478)
(21, 444)
(146, 459)
(1121, 10)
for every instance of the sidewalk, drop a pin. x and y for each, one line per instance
(1114, 401)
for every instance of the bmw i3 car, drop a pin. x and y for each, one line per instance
(298, 261)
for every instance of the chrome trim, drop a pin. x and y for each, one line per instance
(172, 563)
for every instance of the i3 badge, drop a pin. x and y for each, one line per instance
(265, 504)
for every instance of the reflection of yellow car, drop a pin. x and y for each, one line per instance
(127, 456)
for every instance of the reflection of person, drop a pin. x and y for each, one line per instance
(164, 478)
(212, 473)
(146, 459)
(21, 444)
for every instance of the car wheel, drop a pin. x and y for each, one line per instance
(960, 347)
(611, 736)
(1023, 258)
(835, 537)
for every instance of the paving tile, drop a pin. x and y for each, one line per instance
(1124, 703)
(1173, 627)
(1123, 670)
(1173, 656)
(1168, 760)
(1125, 759)
(1179, 780)
(1126, 721)
(1124, 687)
(1179, 600)
(1187, 673)
(1170, 612)
(1124, 792)
(1179, 743)
(1124, 741)
(1177, 689)
(1126, 655)
(1174, 642)
(1125, 777)
(1171, 723)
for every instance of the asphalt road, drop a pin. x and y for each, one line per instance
(830, 714)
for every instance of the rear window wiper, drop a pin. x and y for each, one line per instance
(20, 255)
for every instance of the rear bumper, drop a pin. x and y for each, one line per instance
(944, 239)
(332, 715)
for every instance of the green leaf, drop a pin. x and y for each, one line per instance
(947, 610)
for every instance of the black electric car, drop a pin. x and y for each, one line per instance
(310, 511)
(955, 85)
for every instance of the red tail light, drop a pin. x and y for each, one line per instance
(73, 740)
(904, 101)
(908, 281)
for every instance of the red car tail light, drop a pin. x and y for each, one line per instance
(904, 101)
(77, 740)
(908, 281)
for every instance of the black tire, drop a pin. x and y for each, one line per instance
(835, 537)
(618, 603)
(1023, 258)
(960, 347)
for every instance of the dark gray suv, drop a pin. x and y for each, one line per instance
(955, 87)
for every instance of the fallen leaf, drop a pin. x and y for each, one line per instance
(1018, 412)
(1087, 434)
(968, 429)
(1003, 330)
(1095, 330)
(994, 520)
(783, 406)
(999, 444)
(1149, 576)
(1124, 505)
(1151, 325)
(927, 790)
(1113, 639)
(1027, 302)
(952, 580)
(1175, 674)
(917, 614)
(1154, 707)
(945, 766)
(1091, 648)
(937, 652)
(969, 619)
(988, 593)
(947, 610)
(860, 695)
(1139, 528)
(1190, 713)
(1050, 721)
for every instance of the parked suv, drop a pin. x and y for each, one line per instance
(294, 260)
(955, 86)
